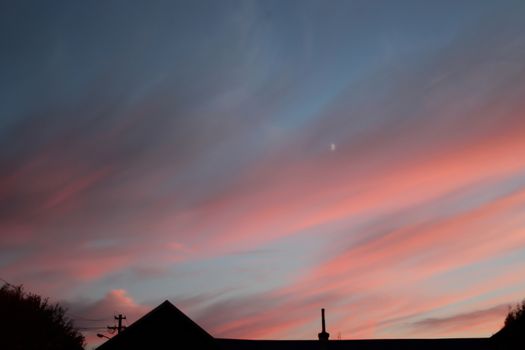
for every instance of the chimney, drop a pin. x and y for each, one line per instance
(323, 336)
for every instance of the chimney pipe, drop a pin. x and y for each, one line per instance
(323, 336)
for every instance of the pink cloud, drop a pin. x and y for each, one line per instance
(484, 321)
(287, 202)
(274, 200)
(93, 316)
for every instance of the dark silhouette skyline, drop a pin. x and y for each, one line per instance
(166, 327)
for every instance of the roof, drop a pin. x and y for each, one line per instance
(164, 327)
(383, 344)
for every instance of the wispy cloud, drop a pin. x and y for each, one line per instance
(487, 319)
(144, 153)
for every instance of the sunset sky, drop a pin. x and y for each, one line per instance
(255, 161)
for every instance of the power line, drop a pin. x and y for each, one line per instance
(80, 318)
(90, 328)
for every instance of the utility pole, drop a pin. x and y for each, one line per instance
(120, 327)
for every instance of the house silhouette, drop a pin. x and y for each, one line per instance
(168, 328)
(164, 327)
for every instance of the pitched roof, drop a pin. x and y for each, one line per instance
(164, 327)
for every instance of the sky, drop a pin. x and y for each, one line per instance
(255, 161)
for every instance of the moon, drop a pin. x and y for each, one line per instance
(332, 147)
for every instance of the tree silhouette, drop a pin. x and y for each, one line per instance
(516, 317)
(28, 321)
(512, 335)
